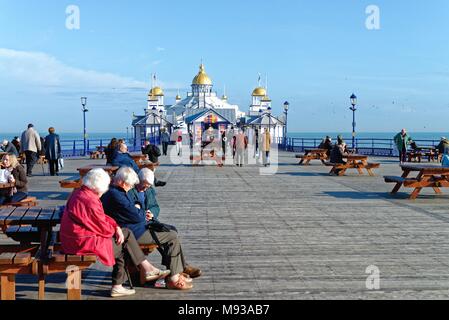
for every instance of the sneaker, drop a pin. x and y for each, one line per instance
(155, 275)
(159, 183)
(122, 292)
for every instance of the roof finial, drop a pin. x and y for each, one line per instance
(258, 81)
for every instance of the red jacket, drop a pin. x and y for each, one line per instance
(86, 229)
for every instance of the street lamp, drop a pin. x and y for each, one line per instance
(353, 99)
(154, 110)
(269, 120)
(161, 113)
(84, 103)
(286, 107)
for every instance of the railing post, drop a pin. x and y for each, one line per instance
(372, 145)
(302, 144)
(74, 148)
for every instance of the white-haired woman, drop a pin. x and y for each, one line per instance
(86, 229)
(129, 214)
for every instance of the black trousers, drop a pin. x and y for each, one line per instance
(129, 249)
(31, 159)
(54, 168)
(164, 148)
(403, 155)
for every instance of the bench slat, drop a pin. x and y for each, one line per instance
(7, 258)
(22, 258)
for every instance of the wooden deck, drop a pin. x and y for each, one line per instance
(297, 234)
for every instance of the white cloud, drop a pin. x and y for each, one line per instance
(43, 70)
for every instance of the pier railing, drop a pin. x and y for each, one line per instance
(366, 146)
(75, 148)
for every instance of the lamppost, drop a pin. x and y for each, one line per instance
(127, 136)
(153, 131)
(353, 109)
(84, 103)
(269, 120)
(286, 107)
(161, 113)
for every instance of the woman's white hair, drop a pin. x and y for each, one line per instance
(97, 180)
(146, 175)
(126, 175)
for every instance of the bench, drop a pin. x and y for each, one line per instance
(70, 184)
(27, 202)
(11, 264)
(23, 234)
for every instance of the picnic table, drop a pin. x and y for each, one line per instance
(354, 161)
(138, 157)
(109, 169)
(312, 154)
(36, 225)
(417, 154)
(429, 176)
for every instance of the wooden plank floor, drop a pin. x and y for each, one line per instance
(295, 234)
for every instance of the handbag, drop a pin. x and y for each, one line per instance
(157, 226)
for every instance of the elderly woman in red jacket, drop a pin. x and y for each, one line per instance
(87, 230)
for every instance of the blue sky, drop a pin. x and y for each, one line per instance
(315, 53)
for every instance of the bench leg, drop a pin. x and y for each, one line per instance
(74, 285)
(8, 287)
(41, 286)
(415, 193)
(370, 172)
(437, 190)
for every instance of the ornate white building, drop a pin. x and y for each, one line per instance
(201, 109)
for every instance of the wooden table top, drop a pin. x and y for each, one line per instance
(315, 150)
(35, 216)
(352, 156)
(84, 170)
(427, 167)
(6, 185)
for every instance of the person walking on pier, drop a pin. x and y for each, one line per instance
(52, 151)
(165, 140)
(266, 147)
(240, 146)
(31, 145)
(402, 140)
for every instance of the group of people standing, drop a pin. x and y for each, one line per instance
(31, 146)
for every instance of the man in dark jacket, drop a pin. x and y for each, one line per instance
(152, 151)
(119, 205)
(52, 148)
(9, 148)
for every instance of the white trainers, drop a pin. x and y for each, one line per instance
(122, 292)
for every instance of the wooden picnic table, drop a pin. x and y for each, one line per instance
(417, 154)
(312, 154)
(41, 259)
(138, 157)
(354, 161)
(6, 185)
(429, 176)
(109, 169)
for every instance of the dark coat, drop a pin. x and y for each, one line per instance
(52, 147)
(336, 154)
(121, 207)
(150, 201)
(11, 149)
(21, 179)
(153, 152)
(124, 160)
(110, 153)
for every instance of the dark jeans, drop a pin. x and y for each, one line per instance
(130, 248)
(31, 159)
(164, 148)
(54, 167)
(403, 156)
(17, 197)
(171, 251)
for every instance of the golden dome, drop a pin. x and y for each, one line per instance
(266, 99)
(178, 97)
(224, 98)
(156, 91)
(259, 92)
(202, 78)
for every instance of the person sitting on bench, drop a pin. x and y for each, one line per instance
(145, 194)
(17, 176)
(337, 153)
(119, 205)
(87, 230)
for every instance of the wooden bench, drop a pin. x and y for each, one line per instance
(312, 154)
(28, 202)
(24, 234)
(70, 184)
(342, 167)
(11, 264)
